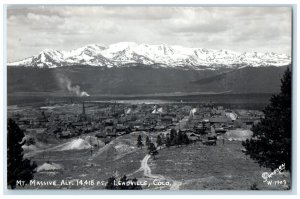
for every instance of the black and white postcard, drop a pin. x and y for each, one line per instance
(149, 97)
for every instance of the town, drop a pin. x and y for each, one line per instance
(108, 120)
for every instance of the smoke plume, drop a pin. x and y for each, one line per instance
(65, 82)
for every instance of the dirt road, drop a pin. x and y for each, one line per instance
(175, 185)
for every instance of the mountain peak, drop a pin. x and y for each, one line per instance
(48, 50)
(124, 53)
(121, 46)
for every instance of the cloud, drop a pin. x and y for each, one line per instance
(30, 29)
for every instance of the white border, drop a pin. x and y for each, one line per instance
(173, 2)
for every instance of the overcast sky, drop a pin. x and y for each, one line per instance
(31, 29)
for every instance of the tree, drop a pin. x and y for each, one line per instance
(111, 183)
(203, 128)
(30, 141)
(174, 140)
(270, 145)
(168, 141)
(152, 150)
(123, 182)
(159, 141)
(140, 142)
(135, 185)
(18, 168)
(254, 187)
(185, 139)
(163, 138)
(147, 142)
(179, 138)
(172, 134)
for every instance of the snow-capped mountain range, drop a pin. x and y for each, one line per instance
(125, 54)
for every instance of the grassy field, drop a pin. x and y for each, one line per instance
(201, 167)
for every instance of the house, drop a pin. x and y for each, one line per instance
(66, 134)
(108, 122)
(120, 127)
(160, 128)
(121, 133)
(35, 130)
(195, 120)
(110, 131)
(216, 120)
(78, 124)
(203, 127)
(24, 121)
(219, 121)
(247, 120)
(167, 120)
(100, 134)
(193, 137)
(220, 130)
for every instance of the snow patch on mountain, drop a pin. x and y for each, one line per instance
(124, 53)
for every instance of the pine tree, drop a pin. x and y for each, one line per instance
(159, 141)
(111, 183)
(163, 138)
(135, 185)
(270, 145)
(30, 141)
(140, 142)
(123, 182)
(18, 168)
(172, 134)
(152, 150)
(168, 141)
(174, 141)
(185, 139)
(147, 142)
(179, 138)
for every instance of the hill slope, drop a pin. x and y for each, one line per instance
(143, 80)
(246, 80)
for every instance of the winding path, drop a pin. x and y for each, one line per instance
(147, 170)
(148, 173)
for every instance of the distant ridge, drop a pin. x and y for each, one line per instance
(126, 54)
(142, 80)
